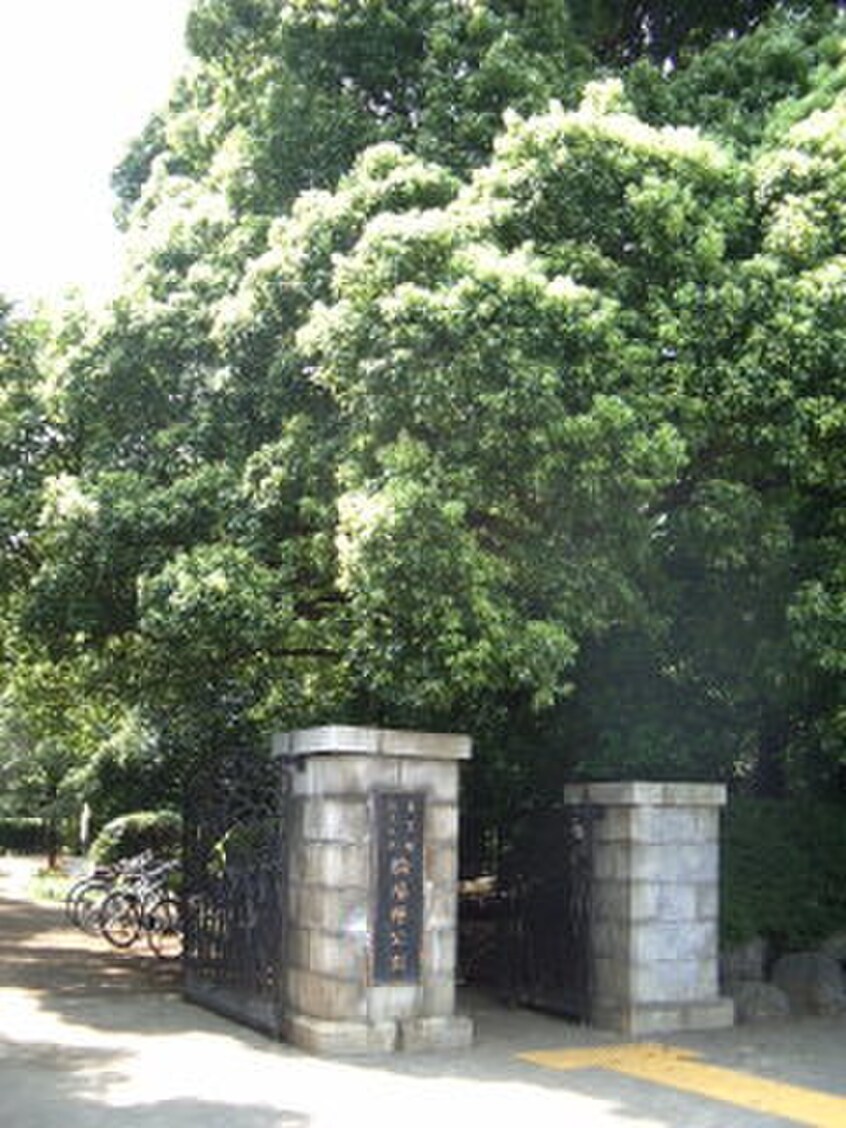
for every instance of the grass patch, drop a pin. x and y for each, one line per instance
(49, 885)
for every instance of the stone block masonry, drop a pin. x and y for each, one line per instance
(654, 918)
(372, 906)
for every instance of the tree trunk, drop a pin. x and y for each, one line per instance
(52, 843)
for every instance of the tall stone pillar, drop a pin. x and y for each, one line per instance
(655, 906)
(372, 879)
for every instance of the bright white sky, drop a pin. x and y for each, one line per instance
(78, 80)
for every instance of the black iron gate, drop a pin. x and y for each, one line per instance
(535, 919)
(235, 888)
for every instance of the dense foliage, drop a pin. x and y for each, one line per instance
(782, 879)
(477, 364)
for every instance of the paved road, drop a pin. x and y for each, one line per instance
(90, 1038)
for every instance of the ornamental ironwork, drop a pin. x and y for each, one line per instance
(527, 929)
(235, 887)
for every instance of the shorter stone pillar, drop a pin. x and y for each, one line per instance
(372, 902)
(655, 906)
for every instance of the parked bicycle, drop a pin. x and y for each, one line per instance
(142, 905)
(128, 900)
(85, 897)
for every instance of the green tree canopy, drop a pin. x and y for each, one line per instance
(413, 410)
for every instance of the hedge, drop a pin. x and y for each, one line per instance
(23, 835)
(127, 835)
(783, 871)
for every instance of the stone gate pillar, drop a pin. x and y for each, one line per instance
(655, 906)
(372, 890)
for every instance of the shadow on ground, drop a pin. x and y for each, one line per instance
(38, 1091)
(40, 953)
(104, 1040)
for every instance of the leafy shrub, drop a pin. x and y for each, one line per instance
(127, 835)
(23, 835)
(784, 872)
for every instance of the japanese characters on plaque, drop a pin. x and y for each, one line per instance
(398, 929)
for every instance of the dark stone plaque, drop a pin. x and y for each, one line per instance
(398, 929)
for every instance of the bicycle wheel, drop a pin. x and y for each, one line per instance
(164, 928)
(83, 903)
(120, 919)
(72, 897)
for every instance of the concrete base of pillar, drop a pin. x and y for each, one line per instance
(338, 1038)
(666, 1018)
(350, 1038)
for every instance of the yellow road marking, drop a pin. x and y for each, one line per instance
(681, 1069)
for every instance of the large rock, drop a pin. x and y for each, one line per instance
(835, 946)
(812, 981)
(759, 1002)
